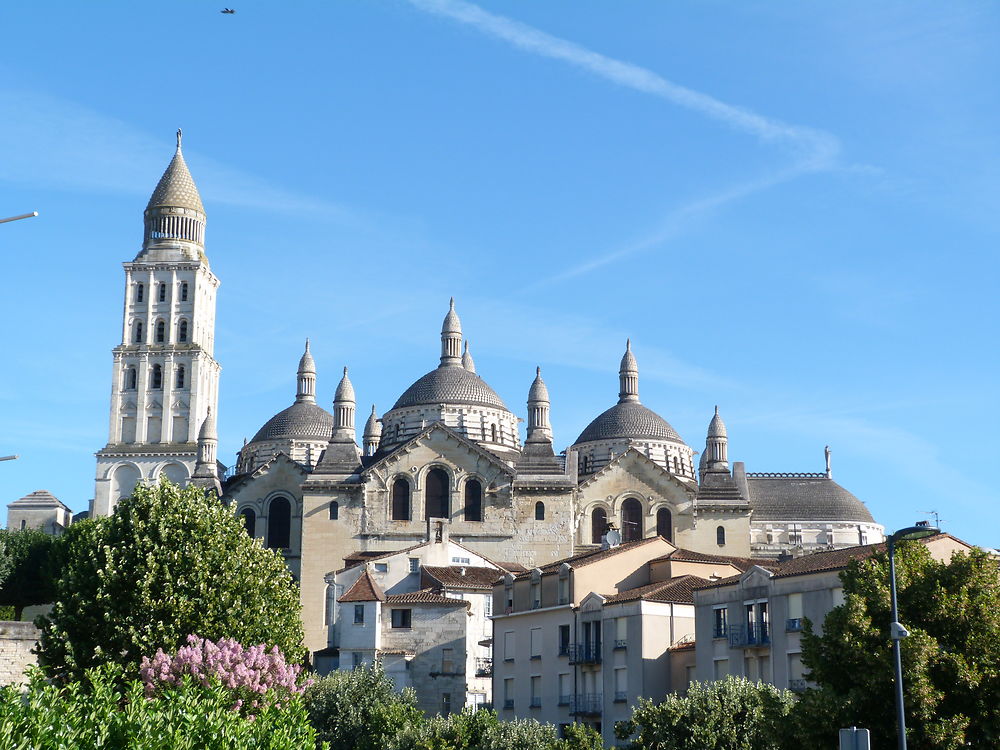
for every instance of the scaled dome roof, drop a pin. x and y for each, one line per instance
(803, 498)
(629, 419)
(450, 385)
(300, 421)
(176, 188)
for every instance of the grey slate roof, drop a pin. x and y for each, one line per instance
(300, 421)
(629, 419)
(803, 498)
(450, 385)
(176, 187)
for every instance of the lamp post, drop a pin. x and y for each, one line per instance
(8, 458)
(896, 631)
(22, 216)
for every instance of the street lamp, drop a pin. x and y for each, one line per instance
(896, 631)
(8, 458)
(22, 216)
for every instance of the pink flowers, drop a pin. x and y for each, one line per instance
(258, 676)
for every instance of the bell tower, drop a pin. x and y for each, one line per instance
(165, 380)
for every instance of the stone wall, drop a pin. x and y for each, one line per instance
(17, 639)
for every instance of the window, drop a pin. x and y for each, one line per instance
(359, 614)
(488, 607)
(664, 526)
(862, 535)
(564, 689)
(563, 640)
(24, 524)
(508, 692)
(161, 331)
(179, 377)
(182, 331)
(131, 379)
(249, 521)
(794, 534)
(621, 632)
(445, 704)
(138, 332)
(437, 501)
(400, 500)
(536, 691)
(721, 668)
(720, 536)
(621, 685)
(631, 520)
(598, 525)
(357, 659)
(563, 588)
(448, 661)
(334, 510)
(140, 291)
(462, 560)
(719, 620)
(508, 645)
(156, 378)
(536, 594)
(184, 291)
(414, 564)
(539, 511)
(584, 464)
(402, 618)
(536, 643)
(279, 523)
(794, 612)
(493, 432)
(161, 294)
(677, 466)
(381, 567)
(473, 500)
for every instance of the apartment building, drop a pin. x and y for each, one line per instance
(750, 624)
(581, 639)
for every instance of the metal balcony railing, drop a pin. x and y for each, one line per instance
(749, 636)
(621, 696)
(536, 702)
(793, 624)
(797, 685)
(565, 700)
(508, 704)
(720, 631)
(584, 653)
(484, 667)
(621, 643)
(587, 704)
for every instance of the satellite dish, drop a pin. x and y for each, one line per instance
(613, 537)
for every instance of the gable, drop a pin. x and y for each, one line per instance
(278, 473)
(633, 472)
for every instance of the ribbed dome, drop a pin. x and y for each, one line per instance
(798, 498)
(300, 421)
(629, 419)
(176, 187)
(450, 385)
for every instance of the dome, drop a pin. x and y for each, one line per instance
(629, 419)
(300, 421)
(450, 385)
(803, 498)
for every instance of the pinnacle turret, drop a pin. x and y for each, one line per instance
(467, 362)
(716, 455)
(538, 410)
(451, 338)
(343, 411)
(305, 391)
(628, 376)
(373, 433)
(175, 214)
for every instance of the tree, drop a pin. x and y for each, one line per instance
(731, 714)
(472, 729)
(360, 709)
(951, 661)
(168, 564)
(28, 567)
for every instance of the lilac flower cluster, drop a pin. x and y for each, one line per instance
(257, 676)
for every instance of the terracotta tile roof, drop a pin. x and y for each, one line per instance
(678, 590)
(452, 576)
(688, 555)
(592, 556)
(365, 589)
(513, 567)
(425, 596)
(361, 556)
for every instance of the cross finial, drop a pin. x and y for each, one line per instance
(179, 139)
(451, 303)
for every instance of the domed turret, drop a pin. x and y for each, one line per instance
(373, 433)
(538, 410)
(306, 391)
(467, 362)
(716, 455)
(174, 220)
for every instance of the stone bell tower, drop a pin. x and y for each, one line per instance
(165, 381)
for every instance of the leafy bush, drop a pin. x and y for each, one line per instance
(360, 709)
(732, 714)
(103, 711)
(168, 563)
(28, 568)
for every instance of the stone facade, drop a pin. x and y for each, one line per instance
(17, 640)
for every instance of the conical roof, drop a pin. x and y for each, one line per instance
(176, 187)
(467, 362)
(716, 428)
(538, 391)
(373, 428)
(451, 322)
(345, 390)
(307, 363)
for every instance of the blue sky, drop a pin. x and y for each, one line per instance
(790, 207)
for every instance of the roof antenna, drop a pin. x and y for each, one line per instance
(937, 517)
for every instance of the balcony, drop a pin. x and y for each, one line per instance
(749, 636)
(536, 702)
(564, 649)
(565, 700)
(793, 625)
(508, 704)
(584, 653)
(797, 686)
(621, 696)
(720, 631)
(587, 704)
(484, 667)
(621, 643)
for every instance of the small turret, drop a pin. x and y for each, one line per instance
(451, 338)
(467, 362)
(174, 215)
(628, 376)
(373, 433)
(538, 410)
(306, 390)
(343, 411)
(716, 455)
(206, 472)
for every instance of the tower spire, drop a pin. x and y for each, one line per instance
(716, 456)
(175, 216)
(343, 411)
(451, 338)
(305, 391)
(628, 376)
(538, 410)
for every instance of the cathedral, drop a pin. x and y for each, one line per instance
(448, 452)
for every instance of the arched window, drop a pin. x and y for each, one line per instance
(138, 332)
(677, 466)
(664, 527)
(631, 520)
(179, 377)
(279, 524)
(436, 499)
(184, 291)
(161, 331)
(131, 379)
(598, 525)
(493, 432)
(249, 521)
(23, 524)
(720, 536)
(156, 378)
(400, 500)
(162, 293)
(539, 511)
(473, 500)
(397, 431)
(334, 510)
(584, 464)
(140, 291)
(182, 331)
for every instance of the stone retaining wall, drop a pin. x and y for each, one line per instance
(17, 639)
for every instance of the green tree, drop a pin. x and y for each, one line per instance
(731, 714)
(28, 566)
(360, 709)
(169, 563)
(951, 661)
